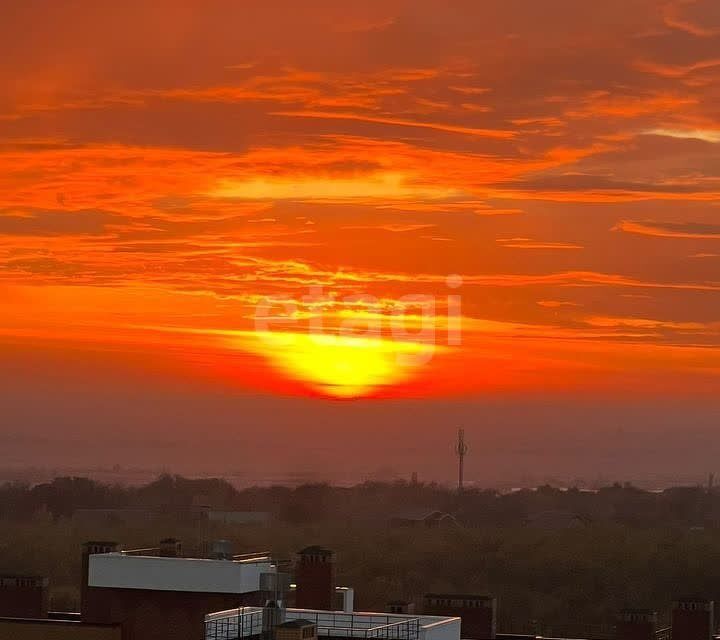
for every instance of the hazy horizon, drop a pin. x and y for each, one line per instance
(90, 421)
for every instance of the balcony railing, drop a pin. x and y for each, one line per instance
(663, 634)
(248, 621)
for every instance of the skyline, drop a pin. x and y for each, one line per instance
(415, 204)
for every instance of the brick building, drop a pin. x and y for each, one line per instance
(156, 595)
(478, 613)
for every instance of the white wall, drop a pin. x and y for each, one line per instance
(439, 628)
(175, 574)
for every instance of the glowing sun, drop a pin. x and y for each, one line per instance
(342, 366)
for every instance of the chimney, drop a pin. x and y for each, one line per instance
(478, 614)
(400, 607)
(221, 550)
(23, 597)
(89, 549)
(315, 578)
(692, 619)
(170, 548)
(636, 624)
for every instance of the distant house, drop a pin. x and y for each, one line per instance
(239, 517)
(427, 519)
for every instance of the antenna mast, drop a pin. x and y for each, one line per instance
(461, 449)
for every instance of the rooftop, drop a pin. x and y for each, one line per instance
(136, 571)
(247, 622)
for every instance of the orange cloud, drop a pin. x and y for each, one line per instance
(670, 229)
(437, 126)
(527, 243)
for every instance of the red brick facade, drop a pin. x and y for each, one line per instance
(692, 620)
(477, 613)
(159, 615)
(315, 577)
(23, 597)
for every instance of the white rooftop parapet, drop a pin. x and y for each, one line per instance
(244, 623)
(116, 570)
(439, 628)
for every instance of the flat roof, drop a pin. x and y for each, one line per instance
(247, 622)
(158, 573)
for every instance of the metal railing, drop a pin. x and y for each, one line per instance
(360, 625)
(248, 621)
(663, 634)
(234, 624)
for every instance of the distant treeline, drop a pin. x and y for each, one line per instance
(373, 502)
(561, 562)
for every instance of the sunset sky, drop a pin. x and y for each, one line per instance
(251, 198)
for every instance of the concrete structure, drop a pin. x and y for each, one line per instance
(246, 622)
(636, 624)
(315, 577)
(119, 571)
(692, 619)
(478, 613)
(23, 597)
(346, 598)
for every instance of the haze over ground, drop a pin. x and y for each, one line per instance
(92, 421)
